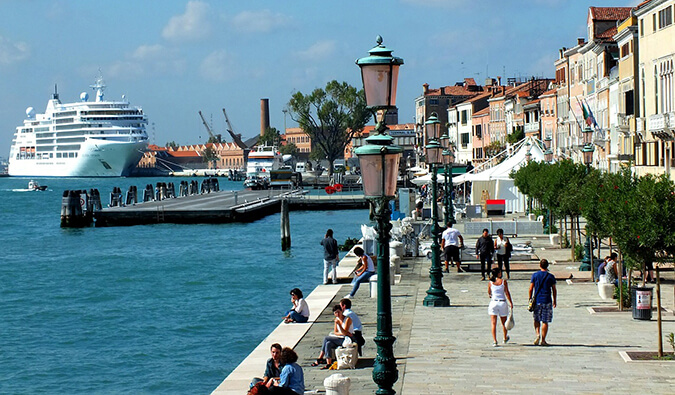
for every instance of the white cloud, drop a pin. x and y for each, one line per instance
(262, 21)
(218, 66)
(147, 59)
(321, 49)
(13, 52)
(193, 25)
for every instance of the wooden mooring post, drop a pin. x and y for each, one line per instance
(285, 226)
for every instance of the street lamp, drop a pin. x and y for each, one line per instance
(379, 160)
(587, 152)
(436, 296)
(448, 160)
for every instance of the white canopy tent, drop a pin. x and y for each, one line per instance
(495, 183)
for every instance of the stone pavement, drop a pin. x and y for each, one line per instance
(449, 350)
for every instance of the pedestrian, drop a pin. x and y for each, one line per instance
(485, 247)
(503, 247)
(346, 305)
(363, 272)
(545, 295)
(612, 270)
(273, 367)
(330, 257)
(342, 328)
(498, 291)
(292, 380)
(452, 243)
(300, 310)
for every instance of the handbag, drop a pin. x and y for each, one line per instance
(510, 321)
(347, 342)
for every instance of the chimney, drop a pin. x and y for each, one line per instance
(580, 41)
(499, 80)
(264, 115)
(425, 88)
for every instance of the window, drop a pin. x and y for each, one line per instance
(665, 17)
(464, 116)
(433, 102)
(642, 27)
(465, 139)
(628, 102)
(477, 131)
(624, 50)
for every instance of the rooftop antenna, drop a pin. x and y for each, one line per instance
(55, 96)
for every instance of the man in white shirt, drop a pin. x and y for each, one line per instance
(451, 243)
(346, 305)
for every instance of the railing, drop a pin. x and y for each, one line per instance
(657, 122)
(532, 127)
(639, 124)
(623, 122)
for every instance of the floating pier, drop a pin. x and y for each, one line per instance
(203, 207)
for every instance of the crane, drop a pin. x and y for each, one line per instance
(236, 137)
(214, 137)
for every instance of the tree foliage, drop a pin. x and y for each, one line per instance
(516, 136)
(172, 144)
(209, 155)
(330, 117)
(271, 137)
(493, 149)
(289, 149)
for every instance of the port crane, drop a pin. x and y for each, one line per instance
(236, 137)
(214, 137)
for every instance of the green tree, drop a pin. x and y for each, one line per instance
(493, 149)
(330, 117)
(210, 156)
(172, 144)
(271, 137)
(517, 135)
(216, 139)
(289, 149)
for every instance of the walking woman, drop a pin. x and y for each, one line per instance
(498, 291)
(503, 249)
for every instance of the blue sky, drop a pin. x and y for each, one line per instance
(174, 58)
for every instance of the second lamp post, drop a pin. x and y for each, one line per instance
(436, 296)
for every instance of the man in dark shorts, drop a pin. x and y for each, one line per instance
(545, 294)
(451, 243)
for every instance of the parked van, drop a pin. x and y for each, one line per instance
(300, 167)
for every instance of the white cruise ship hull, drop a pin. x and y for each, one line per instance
(94, 159)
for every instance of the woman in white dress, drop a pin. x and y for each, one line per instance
(498, 291)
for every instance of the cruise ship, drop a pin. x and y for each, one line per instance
(82, 139)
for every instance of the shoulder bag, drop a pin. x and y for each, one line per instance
(532, 302)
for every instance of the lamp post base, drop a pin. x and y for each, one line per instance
(436, 298)
(587, 260)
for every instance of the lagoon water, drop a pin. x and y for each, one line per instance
(143, 309)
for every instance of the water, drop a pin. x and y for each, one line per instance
(143, 309)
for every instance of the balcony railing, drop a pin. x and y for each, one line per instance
(623, 122)
(657, 122)
(532, 127)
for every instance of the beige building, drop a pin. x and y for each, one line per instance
(655, 126)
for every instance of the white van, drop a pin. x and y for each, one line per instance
(300, 167)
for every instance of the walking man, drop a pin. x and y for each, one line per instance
(451, 243)
(330, 257)
(545, 295)
(485, 247)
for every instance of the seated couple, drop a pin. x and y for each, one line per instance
(346, 325)
(282, 374)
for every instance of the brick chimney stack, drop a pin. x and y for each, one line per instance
(264, 115)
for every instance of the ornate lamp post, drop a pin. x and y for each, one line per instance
(448, 160)
(379, 160)
(436, 296)
(587, 151)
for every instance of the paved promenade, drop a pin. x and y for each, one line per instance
(449, 350)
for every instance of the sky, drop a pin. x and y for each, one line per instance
(174, 58)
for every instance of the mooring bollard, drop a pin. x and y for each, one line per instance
(72, 215)
(285, 226)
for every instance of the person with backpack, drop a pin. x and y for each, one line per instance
(503, 248)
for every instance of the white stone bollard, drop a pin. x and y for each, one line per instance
(555, 239)
(396, 261)
(337, 384)
(531, 217)
(396, 248)
(373, 286)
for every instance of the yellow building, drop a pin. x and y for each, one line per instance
(627, 105)
(656, 123)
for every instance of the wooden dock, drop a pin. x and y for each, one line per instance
(222, 207)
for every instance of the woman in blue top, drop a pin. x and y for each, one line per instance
(292, 380)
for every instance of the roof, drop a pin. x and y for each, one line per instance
(185, 154)
(481, 112)
(610, 13)
(469, 81)
(454, 90)
(608, 34)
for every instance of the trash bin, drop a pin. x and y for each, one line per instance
(641, 300)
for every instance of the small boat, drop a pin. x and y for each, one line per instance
(34, 186)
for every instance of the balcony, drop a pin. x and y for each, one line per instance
(657, 122)
(532, 127)
(640, 125)
(660, 127)
(623, 123)
(600, 137)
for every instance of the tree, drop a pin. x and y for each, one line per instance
(271, 137)
(516, 136)
(330, 117)
(209, 155)
(493, 149)
(289, 149)
(172, 144)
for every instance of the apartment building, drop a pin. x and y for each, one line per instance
(655, 125)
